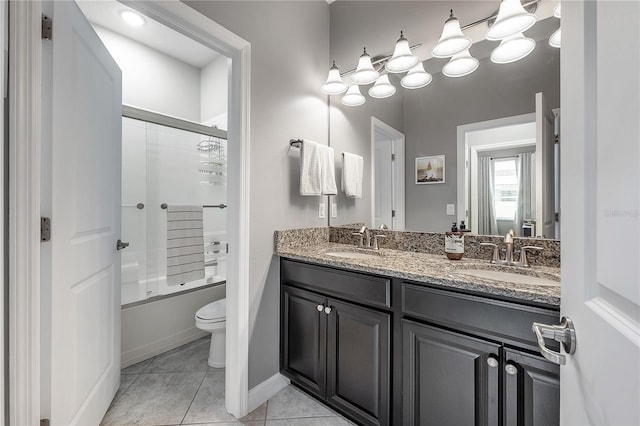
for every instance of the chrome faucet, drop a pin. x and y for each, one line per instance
(508, 257)
(366, 239)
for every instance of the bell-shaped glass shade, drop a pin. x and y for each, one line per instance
(556, 10)
(382, 88)
(461, 64)
(365, 73)
(334, 84)
(416, 78)
(555, 39)
(512, 49)
(402, 60)
(511, 19)
(353, 97)
(452, 40)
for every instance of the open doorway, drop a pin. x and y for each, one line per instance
(387, 164)
(31, 306)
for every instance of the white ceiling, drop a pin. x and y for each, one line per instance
(106, 13)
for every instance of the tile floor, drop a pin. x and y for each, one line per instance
(179, 388)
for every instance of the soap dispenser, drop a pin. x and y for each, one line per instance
(454, 243)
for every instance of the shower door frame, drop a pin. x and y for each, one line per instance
(24, 266)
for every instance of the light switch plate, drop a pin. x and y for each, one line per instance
(334, 210)
(322, 211)
(451, 209)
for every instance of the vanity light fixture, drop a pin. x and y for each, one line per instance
(365, 73)
(461, 64)
(416, 78)
(132, 18)
(512, 19)
(452, 40)
(512, 49)
(382, 88)
(555, 39)
(353, 97)
(334, 84)
(402, 59)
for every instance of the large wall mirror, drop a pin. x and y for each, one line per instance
(494, 128)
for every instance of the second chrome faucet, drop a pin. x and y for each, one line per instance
(509, 251)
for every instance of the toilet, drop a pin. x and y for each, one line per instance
(213, 319)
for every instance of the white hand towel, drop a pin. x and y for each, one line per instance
(317, 171)
(352, 170)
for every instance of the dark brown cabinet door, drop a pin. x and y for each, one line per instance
(303, 338)
(358, 362)
(448, 378)
(531, 390)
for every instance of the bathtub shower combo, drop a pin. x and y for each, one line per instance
(173, 205)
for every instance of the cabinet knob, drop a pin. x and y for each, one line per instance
(511, 369)
(327, 310)
(320, 308)
(492, 361)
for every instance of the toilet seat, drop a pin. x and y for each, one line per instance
(213, 312)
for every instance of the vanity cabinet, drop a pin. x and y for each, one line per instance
(337, 350)
(471, 360)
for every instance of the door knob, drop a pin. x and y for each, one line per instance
(327, 310)
(320, 308)
(492, 361)
(511, 369)
(121, 245)
(564, 333)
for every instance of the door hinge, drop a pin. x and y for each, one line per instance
(45, 229)
(45, 422)
(393, 213)
(393, 157)
(47, 27)
(557, 217)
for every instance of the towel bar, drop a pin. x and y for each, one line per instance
(297, 143)
(164, 206)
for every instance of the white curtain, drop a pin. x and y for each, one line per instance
(526, 189)
(487, 224)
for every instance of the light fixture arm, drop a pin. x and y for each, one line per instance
(494, 16)
(382, 60)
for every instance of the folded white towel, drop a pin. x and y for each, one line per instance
(317, 170)
(185, 245)
(352, 170)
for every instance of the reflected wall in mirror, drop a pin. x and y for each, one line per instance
(430, 117)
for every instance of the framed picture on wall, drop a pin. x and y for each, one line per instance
(430, 169)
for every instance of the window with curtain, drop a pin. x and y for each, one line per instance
(505, 181)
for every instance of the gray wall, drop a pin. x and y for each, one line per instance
(289, 60)
(430, 115)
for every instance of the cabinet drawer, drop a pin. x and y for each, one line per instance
(342, 284)
(506, 322)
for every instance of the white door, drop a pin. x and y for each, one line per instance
(388, 175)
(600, 383)
(383, 185)
(85, 213)
(545, 169)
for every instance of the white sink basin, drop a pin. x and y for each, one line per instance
(352, 255)
(508, 277)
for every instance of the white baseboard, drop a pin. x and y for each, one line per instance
(147, 351)
(261, 393)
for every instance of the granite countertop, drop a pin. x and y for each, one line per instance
(433, 269)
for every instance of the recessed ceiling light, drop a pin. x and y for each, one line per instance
(132, 18)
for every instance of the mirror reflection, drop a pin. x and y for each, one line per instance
(494, 127)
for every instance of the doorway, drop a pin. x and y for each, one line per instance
(27, 112)
(387, 165)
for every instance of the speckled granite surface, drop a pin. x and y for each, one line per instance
(413, 263)
(433, 243)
